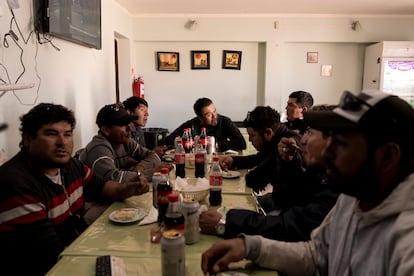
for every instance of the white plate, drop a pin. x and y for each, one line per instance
(127, 215)
(231, 174)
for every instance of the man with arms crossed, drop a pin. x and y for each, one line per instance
(43, 190)
(371, 228)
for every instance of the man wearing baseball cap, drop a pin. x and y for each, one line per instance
(370, 230)
(112, 153)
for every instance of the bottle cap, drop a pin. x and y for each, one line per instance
(173, 197)
(216, 158)
(165, 170)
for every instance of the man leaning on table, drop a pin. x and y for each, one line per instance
(370, 229)
(43, 190)
(228, 136)
(304, 192)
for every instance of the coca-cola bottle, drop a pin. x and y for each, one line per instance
(186, 141)
(200, 160)
(216, 182)
(174, 218)
(180, 160)
(164, 188)
(203, 137)
(191, 138)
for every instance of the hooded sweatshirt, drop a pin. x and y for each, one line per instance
(349, 241)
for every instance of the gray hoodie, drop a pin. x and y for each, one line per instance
(110, 160)
(349, 242)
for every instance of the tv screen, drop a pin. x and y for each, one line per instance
(78, 21)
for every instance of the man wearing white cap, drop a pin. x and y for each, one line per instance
(370, 230)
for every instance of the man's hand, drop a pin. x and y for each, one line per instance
(208, 221)
(226, 162)
(120, 191)
(287, 148)
(218, 257)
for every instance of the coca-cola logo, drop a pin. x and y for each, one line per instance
(199, 158)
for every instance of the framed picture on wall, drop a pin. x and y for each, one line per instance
(200, 60)
(168, 61)
(312, 57)
(231, 59)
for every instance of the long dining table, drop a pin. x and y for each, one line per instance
(131, 242)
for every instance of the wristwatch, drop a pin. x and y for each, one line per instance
(221, 226)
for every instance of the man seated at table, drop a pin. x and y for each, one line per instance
(265, 131)
(226, 133)
(369, 231)
(298, 103)
(305, 194)
(113, 155)
(43, 190)
(139, 107)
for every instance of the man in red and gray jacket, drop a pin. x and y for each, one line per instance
(43, 190)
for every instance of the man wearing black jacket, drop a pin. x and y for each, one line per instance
(265, 131)
(303, 195)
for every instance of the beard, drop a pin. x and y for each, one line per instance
(362, 184)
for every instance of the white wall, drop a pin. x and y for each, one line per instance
(273, 64)
(77, 77)
(282, 70)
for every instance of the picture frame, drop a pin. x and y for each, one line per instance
(168, 61)
(232, 59)
(200, 60)
(312, 57)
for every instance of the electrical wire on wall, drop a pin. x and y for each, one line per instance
(11, 35)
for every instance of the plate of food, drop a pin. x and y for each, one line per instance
(127, 215)
(230, 174)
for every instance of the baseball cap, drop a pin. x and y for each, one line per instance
(377, 114)
(114, 115)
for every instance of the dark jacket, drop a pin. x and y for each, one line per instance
(227, 135)
(298, 125)
(264, 165)
(38, 218)
(305, 199)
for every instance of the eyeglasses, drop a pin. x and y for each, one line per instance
(352, 103)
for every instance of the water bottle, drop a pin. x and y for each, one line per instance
(200, 160)
(180, 160)
(216, 182)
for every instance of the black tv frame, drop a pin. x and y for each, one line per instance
(42, 22)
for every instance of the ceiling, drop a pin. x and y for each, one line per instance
(268, 7)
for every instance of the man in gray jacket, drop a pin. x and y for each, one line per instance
(370, 230)
(113, 155)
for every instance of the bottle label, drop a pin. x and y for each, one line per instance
(180, 158)
(204, 141)
(216, 180)
(199, 158)
(162, 197)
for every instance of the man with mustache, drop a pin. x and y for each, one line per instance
(43, 190)
(304, 194)
(113, 155)
(369, 231)
(227, 135)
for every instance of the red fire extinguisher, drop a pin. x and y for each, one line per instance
(138, 87)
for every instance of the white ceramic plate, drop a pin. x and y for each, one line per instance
(127, 215)
(231, 174)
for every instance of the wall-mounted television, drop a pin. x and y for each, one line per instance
(78, 21)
